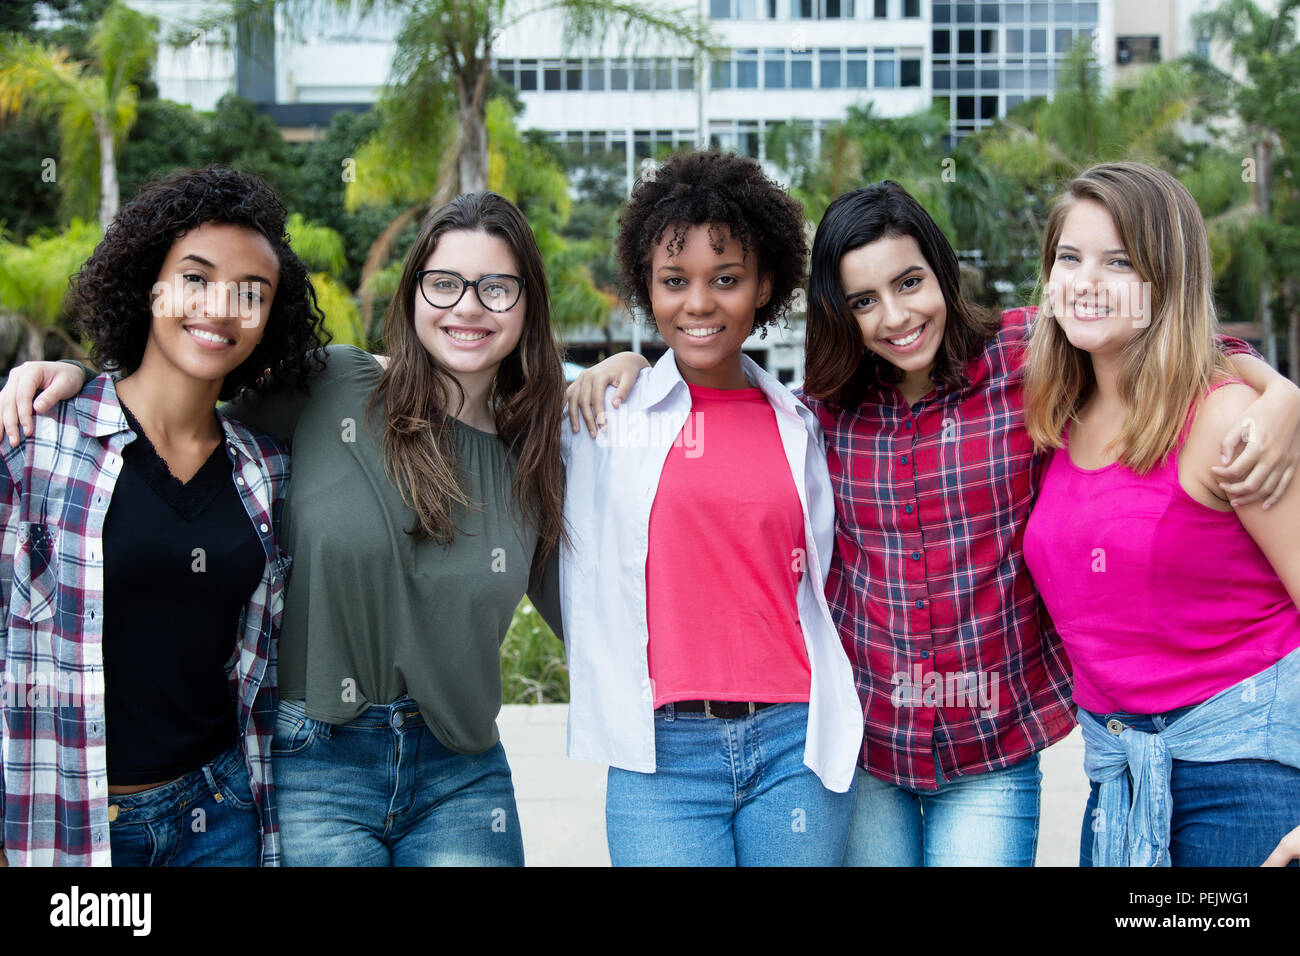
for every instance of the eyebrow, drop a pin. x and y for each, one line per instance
(902, 275)
(1108, 252)
(725, 265)
(204, 262)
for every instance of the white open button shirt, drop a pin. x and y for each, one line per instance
(611, 486)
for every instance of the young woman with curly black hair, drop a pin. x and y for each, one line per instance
(141, 578)
(704, 664)
(426, 500)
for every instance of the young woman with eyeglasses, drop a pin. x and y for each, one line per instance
(426, 501)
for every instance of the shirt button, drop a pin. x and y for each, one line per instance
(907, 509)
(264, 528)
(1115, 726)
(924, 655)
(907, 425)
(903, 460)
(916, 555)
(920, 604)
(239, 481)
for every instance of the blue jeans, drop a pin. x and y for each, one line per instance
(205, 818)
(381, 790)
(1226, 813)
(987, 819)
(726, 792)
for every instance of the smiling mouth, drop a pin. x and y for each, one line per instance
(206, 336)
(702, 333)
(1090, 312)
(909, 338)
(460, 336)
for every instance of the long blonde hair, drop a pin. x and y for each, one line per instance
(1167, 365)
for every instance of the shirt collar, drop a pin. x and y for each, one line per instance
(665, 377)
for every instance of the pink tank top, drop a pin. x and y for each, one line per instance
(1160, 601)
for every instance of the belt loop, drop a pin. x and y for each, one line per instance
(670, 713)
(708, 708)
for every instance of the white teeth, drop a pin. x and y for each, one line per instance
(1081, 310)
(907, 339)
(466, 336)
(701, 333)
(209, 336)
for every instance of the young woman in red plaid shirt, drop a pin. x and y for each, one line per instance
(962, 678)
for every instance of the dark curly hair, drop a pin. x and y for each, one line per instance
(712, 187)
(111, 294)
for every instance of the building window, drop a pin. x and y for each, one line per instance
(774, 69)
(527, 75)
(641, 74)
(885, 74)
(595, 74)
(720, 77)
(1140, 50)
(1037, 41)
(821, 9)
(685, 74)
(551, 75)
(855, 73)
(618, 75)
(988, 41)
(909, 72)
(1064, 40)
(911, 8)
(989, 12)
(881, 9)
(830, 68)
(801, 70)
(941, 42)
(747, 69)
(941, 12)
(573, 75)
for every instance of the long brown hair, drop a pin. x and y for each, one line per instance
(1170, 362)
(419, 394)
(839, 369)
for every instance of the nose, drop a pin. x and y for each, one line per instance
(896, 315)
(469, 305)
(699, 300)
(221, 300)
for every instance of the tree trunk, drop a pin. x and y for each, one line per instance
(377, 257)
(472, 144)
(108, 197)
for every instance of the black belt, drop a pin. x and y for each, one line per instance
(727, 709)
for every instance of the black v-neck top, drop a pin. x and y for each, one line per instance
(180, 562)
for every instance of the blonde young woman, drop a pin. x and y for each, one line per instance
(1178, 611)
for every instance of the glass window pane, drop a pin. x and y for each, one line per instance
(855, 73)
(1037, 41)
(747, 70)
(720, 9)
(965, 12)
(965, 79)
(989, 12)
(640, 74)
(595, 74)
(941, 12)
(774, 69)
(989, 79)
(881, 9)
(663, 74)
(911, 73)
(720, 78)
(618, 75)
(831, 78)
(988, 107)
(1086, 13)
(527, 75)
(911, 8)
(551, 76)
(942, 79)
(685, 75)
(801, 72)
(941, 42)
(1039, 12)
(1015, 41)
(1064, 40)
(965, 41)
(885, 74)
(988, 41)
(1013, 13)
(573, 75)
(965, 107)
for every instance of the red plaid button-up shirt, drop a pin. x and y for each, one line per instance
(55, 490)
(958, 665)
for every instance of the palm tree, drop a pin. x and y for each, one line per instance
(1265, 47)
(94, 105)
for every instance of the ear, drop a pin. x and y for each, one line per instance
(764, 289)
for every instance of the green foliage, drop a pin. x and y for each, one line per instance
(533, 668)
(318, 246)
(342, 317)
(34, 274)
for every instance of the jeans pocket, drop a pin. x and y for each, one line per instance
(234, 787)
(294, 730)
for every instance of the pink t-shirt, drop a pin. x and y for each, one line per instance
(726, 552)
(1160, 601)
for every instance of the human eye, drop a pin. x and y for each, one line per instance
(862, 302)
(911, 282)
(1066, 257)
(726, 281)
(1120, 262)
(446, 283)
(192, 277)
(497, 288)
(674, 282)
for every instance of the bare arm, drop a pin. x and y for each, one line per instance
(1267, 434)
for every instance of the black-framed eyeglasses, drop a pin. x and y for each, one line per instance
(442, 289)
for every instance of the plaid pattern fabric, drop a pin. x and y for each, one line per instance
(956, 661)
(56, 488)
(958, 665)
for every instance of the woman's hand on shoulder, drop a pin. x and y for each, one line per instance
(55, 381)
(585, 395)
(1260, 451)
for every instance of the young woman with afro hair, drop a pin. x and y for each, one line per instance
(705, 668)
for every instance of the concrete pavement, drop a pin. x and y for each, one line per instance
(562, 801)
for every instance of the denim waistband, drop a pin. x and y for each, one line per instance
(398, 715)
(1146, 723)
(184, 788)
